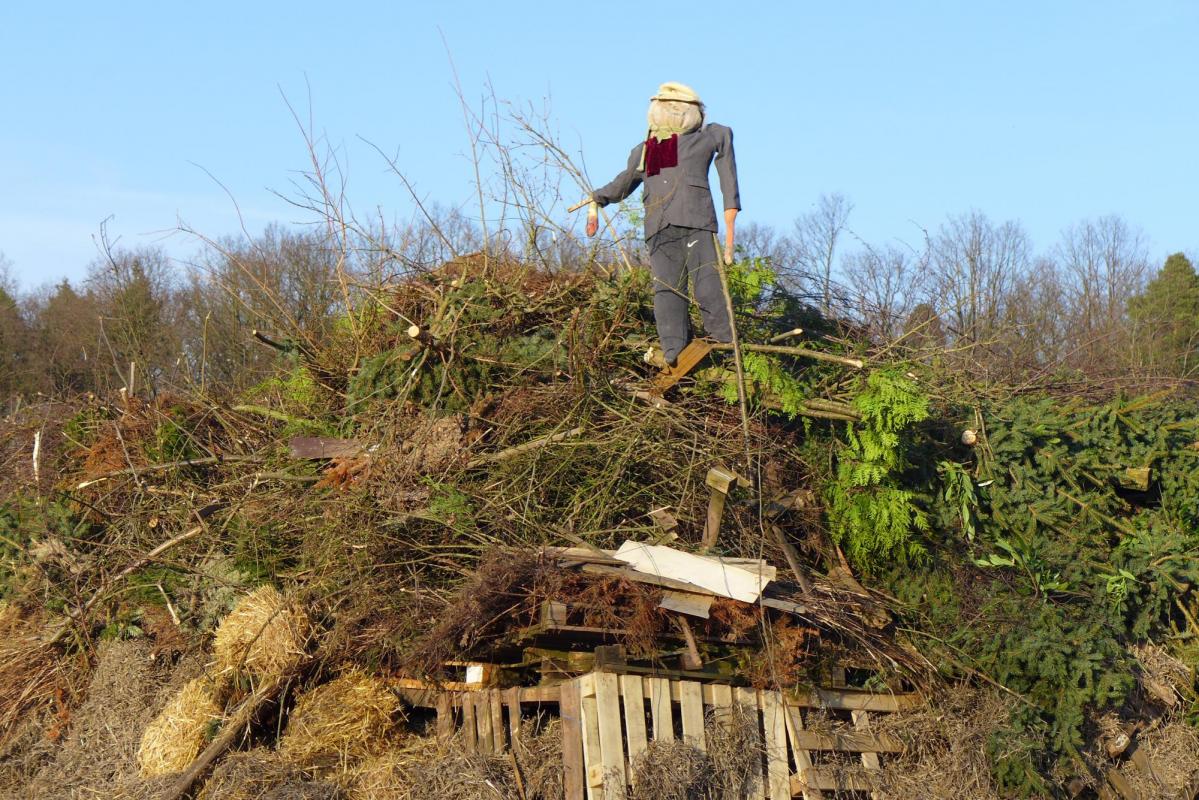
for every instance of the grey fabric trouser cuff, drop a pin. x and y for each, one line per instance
(676, 254)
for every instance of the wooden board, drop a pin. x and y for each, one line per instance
(861, 723)
(632, 693)
(827, 780)
(514, 716)
(574, 774)
(756, 789)
(470, 731)
(591, 737)
(690, 603)
(778, 773)
(692, 354)
(661, 709)
(800, 746)
(486, 738)
(495, 703)
(445, 716)
(607, 700)
(691, 708)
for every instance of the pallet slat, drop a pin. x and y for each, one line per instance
(470, 733)
(486, 739)
(691, 708)
(756, 788)
(574, 774)
(514, 716)
(778, 775)
(632, 693)
(661, 709)
(611, 742)
(861, 723)
(800, 747)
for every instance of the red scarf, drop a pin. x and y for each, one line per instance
(660, 155)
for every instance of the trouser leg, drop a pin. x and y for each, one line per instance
(668, 262)
(709, 292)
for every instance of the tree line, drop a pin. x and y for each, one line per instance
(973, 294)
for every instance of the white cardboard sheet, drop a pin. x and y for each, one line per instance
(724, 579)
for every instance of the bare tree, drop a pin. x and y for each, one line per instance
(1104, 262)
(817, 237)
(975, 265)
(885, 285)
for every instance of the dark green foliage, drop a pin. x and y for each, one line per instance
(1068, 565)
(1166, 316)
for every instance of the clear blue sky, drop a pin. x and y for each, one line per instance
(1047, 112)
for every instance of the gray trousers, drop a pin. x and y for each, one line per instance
(676, 254)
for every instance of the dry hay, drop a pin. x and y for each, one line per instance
(260, 774)
(677, 770)
(340, 722)
(945, 755)
(176, 736)
(262, 635)
(97, 754)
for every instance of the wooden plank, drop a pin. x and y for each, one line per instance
(482, 707)
(591, 739)
(748, 698)
(574, 774)
(778, 775)
(721, 702)
(691, 355)
(324, 447)
(607, 700)
(514, 716)
(848, 742)
(690, 603)
(784, 605)
(1118, 782)
(661, 709)
(827, 780)
(861, 723)
(850, 700)
(631, 574)
(691, 708)
(495, 704)
(632, 692)
(726, 580)
(470, 733)
(445, 716)
(800, 746)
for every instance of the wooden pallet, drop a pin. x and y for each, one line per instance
(608, 720)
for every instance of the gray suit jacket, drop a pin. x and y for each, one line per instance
(681, 195)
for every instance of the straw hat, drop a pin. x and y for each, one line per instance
(672, 90)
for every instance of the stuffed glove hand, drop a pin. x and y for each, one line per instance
(592, 219)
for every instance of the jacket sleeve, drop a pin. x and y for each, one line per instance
(623, 184)
(726, 167)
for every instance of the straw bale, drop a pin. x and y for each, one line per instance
(176, 736)
(262, 635)
(260, 774)
(340, 722)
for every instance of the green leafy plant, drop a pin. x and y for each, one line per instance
(871, 511)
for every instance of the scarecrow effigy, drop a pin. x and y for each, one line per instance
(680, 216)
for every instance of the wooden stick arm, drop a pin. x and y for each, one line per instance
(580, 204)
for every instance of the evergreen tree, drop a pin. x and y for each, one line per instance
(1166, 316)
